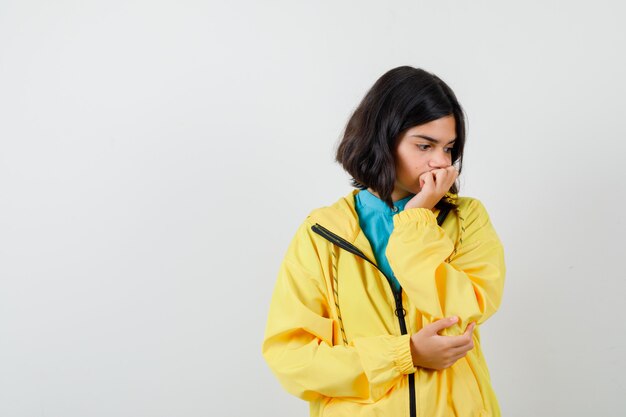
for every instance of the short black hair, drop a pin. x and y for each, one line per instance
(400, 99)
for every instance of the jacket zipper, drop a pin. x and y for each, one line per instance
(397, 295)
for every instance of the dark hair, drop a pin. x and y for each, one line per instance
(400, 99)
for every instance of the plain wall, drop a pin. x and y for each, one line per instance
(156, 158)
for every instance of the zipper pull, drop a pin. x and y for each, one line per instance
(399, 308)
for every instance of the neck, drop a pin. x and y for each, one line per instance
(396, 195)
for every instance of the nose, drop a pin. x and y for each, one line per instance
(440, 160)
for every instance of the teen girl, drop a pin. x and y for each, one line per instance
(380, 296)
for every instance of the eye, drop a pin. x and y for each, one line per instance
(423, 149)
(450, 150)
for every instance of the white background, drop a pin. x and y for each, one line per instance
(156, 158)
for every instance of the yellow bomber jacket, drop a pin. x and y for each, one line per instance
(338, 336)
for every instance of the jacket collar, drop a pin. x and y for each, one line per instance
(342, 219)
(375, 204)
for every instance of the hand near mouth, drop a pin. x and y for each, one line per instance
(434, 185)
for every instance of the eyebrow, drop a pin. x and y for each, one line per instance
(431, 139)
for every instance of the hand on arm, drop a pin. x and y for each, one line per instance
(430, 350)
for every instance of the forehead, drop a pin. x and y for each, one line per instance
(442, 129)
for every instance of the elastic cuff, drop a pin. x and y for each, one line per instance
(402, 354)
(412, 215)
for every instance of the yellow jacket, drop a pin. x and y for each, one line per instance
(337, 335)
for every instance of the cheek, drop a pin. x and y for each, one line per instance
(406, 166)
(409, 162)
(416, 164)
(409, 171)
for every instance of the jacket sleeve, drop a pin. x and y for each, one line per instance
(298, 342)
(469, 286)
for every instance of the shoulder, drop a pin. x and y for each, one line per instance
(339, 217)
(334, 218)
(468, 203)
(472, 210)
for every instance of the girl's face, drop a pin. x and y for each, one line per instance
(421, 149)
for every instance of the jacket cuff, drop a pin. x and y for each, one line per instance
(402, 358)
(412, 215)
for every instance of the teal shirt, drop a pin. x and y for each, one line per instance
(376, 221)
